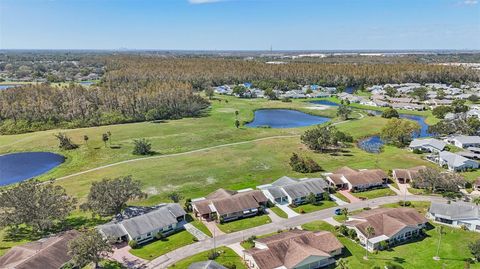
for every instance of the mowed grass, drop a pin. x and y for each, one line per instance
(308, 208)
(226, 257)
(371, 194)
(419, 254)
(242, 224)
(279, 212)
(154, 249)
(172, 136)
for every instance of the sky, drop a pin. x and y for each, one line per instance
(240, 24)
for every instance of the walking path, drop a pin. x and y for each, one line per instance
(404, 189)
(285, 208)
(349, 196)
(195, 232)
(338, 200)
(237, 248)
(236, 237)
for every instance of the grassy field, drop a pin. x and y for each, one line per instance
(308, 208)
(242, 224)
(279, 212)
(418, 254)
(157, 248)
(227, 257)
(374, 193)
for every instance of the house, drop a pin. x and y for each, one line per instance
(165, 219)
(476, 184)
(226, 205)
(206, 265)
(46, 253)
(464, 141)
(294, 249)
(456, 214)
(455, 162)
(404, 176)
(357, 180)
(286, 190)
(427, 145)
(407, 106)
(390, 225)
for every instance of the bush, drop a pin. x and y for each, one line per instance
(65, 142)
(133, 244)
(213, 255)
(142, 147)
(390, 113)
(230, 265)
(352, 233)
(417, 151)
(404, 203)
(342, 229)
(302, 211)
(160, 236)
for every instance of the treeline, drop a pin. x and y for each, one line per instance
(42, 107)
(205, 72)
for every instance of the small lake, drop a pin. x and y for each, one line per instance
(6, 86)
(17, 167)
(325, 103)
(284, 118)
(372, 144)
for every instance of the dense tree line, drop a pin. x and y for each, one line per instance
(41, 107)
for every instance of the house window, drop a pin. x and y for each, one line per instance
(149, 234)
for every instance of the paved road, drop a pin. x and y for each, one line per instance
(229, 239)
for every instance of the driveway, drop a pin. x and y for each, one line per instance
(337, 200)
(232, 238)
(349, 196)
(285, 208)
(121, 254)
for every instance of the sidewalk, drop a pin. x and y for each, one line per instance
(397, 191)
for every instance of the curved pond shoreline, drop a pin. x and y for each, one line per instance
(17, 167)
(284, 118)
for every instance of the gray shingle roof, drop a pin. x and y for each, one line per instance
(438, 144)
(455, 210)
(297, 188)
(153, 220)
(453, 159)
(276, 192)
(467, 139)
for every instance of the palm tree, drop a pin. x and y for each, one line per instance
(85, 138)
(345, 213)
(370, 231)
(342, 263)
(105, 139)
(440, 232)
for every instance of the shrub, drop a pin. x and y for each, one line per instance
(65, 142)
(133, 244)
(404, 203)
(302, 211)
(417, 151)
(230, 265)
(342, 229)
(213, 255)
(142, 147)
(303, 165)
(390, 113)
(352, 233)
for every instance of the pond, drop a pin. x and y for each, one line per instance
(6, 86)
(284, 118)
(17, 167)
(324, 103)
(372, 144)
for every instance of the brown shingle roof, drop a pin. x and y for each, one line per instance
(387, 221)
(230, 201)
(290, 248)
(366, 177)
(410, 173)
(49, 253)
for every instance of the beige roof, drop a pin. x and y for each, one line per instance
(230, 201)
(366, 177)
(410, 173)
(48, 253)
(290, 248)
(387, 221)
(345, 170)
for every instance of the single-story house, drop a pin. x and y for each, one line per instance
(164, 219)
(226, 205)
(428, 145)
(206, 265)
(456, 214)
(408, 106)
(286, 190)
(392, 225)
(407, 175)
(294, 249)
(464, 141)
(46, 253)
(476, 184)
(357, 180)
(455, 162)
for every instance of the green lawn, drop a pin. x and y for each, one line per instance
(341, 197)
(227, 257)
(242, 224)
(374, 193)
(453, 250)
(421, 207)
(157, 248)
(307, 208)
(199, 225)
(279, 212)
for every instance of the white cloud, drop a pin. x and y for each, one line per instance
(195, 2)
(470, 2)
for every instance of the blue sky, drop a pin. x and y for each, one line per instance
(240, 24)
